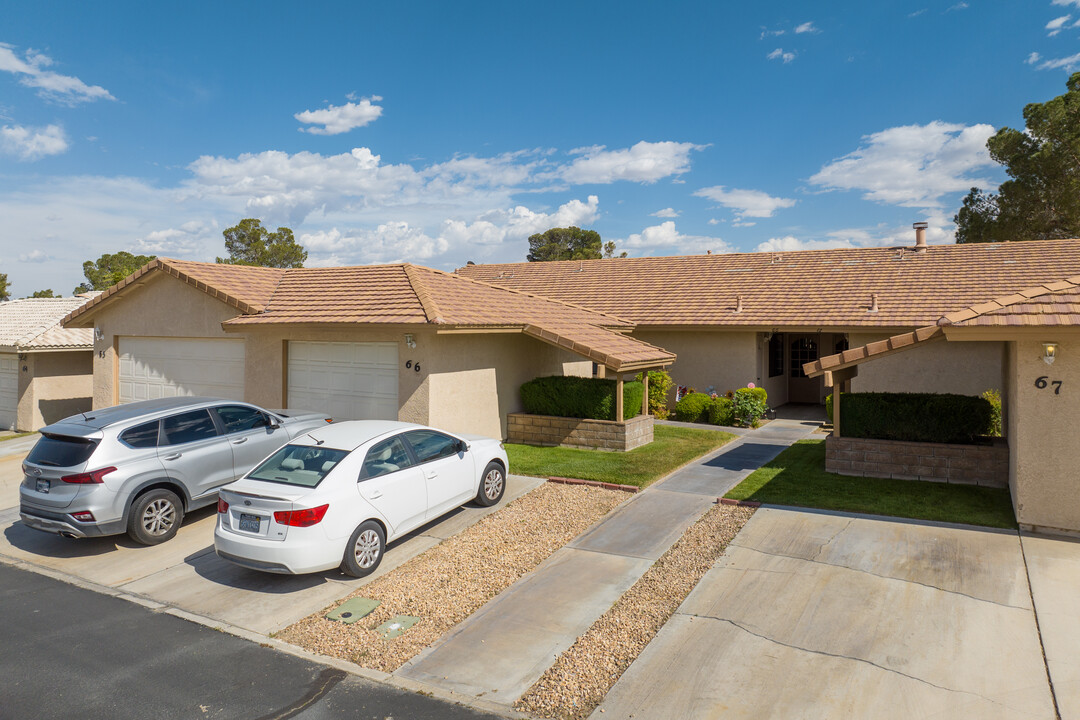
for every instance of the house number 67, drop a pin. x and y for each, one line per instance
(1042, 382)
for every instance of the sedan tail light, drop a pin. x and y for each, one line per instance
(90, 478)
(222, 506)
(301, 518)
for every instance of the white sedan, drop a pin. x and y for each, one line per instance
(337, 495)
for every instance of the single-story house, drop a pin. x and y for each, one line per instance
(1039, 327)
(387, 341)
(736, 318)
(46, 371)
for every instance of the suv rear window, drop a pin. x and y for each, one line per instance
(61, 451)
(141, 436)
(301, 465)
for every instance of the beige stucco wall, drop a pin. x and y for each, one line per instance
(1043, 426)
(723, 359)
(163, 307)
(964, 368)
(53, 386)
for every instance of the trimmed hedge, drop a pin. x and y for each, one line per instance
(580, 397)
(693, 408)
(721, 411)
(917, 417)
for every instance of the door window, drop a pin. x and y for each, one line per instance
(238, 418)
(188, 427)
(141, 436)
(803, 350)
(385, 457)
(430, 445)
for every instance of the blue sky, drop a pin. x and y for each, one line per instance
(439, 133)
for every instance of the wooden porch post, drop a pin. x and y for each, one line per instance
(618, 397)
(840, 382)
(645, 393)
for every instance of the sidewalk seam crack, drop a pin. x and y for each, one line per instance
(1038, 628)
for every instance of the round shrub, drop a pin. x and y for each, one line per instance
(721, 412)
(693, 408)
(749, 405)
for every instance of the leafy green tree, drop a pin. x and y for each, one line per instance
(1042, 198)
(108, 270)
(570, 243)
(43, 294)
(609, 250)
(249, 243)
(5, 289)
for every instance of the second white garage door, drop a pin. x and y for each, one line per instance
(153, 368)
(348, 381)
(9, 390)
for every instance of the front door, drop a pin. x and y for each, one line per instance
(803, 389)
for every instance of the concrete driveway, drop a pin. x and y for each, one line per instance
(813, 615)
(185, 573)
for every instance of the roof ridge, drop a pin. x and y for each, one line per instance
(270, 300)
(423, 294)
(1004, 301)
(536, 296)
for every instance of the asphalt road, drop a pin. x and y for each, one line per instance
(70, 652)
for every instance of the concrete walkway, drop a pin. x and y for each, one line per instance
(827, 615)
(502, 649)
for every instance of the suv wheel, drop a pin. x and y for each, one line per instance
(155, 517)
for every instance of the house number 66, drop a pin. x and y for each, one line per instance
(1042, 382)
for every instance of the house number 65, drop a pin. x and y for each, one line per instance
(1042, 382)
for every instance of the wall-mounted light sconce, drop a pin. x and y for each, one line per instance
(409, 341)
(1049, 352)
(22, 356)
(99, 334)
(767, 336)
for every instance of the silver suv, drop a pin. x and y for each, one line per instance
(137, 468)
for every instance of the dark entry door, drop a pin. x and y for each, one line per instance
(803, 389)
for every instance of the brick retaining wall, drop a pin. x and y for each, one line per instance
(578, 432)
(986, 465)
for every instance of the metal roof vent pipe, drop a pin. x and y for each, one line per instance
(873, 303)
(920, 236)
(738, 303)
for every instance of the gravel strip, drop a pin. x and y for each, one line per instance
(452, 580)
(582, 676)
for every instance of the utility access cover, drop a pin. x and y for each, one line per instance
(352, 610)
(396, 626)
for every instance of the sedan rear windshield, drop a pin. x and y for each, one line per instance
(61, 451)
(301, 465)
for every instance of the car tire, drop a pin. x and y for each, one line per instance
(365, 550)
(492, 485)
(155, 517)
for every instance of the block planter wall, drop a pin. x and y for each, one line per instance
(579, 433)
(986, 465)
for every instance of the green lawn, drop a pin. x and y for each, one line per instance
(797, 477)
(15, 436)
(671, 447)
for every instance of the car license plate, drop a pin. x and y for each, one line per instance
(249, 523)
(43, 485)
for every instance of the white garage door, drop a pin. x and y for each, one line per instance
(153, 368)
(348, 381)
(9, 390)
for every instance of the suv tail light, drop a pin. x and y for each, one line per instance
(301, 518)
(222, 506)
(83, 516)
(90, 478)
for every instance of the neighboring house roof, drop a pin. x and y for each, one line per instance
(245, 287)
(33, 324)
(809, 288)
(1053, 304)
(401, 295)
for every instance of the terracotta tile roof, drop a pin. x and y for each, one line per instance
(1053, 304)
(810, 288)
(870, 351)
(34, 324)
(246, 288)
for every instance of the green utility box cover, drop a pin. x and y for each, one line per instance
(352, 610)
(396, 626)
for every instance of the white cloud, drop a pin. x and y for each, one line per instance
(387, 243)
(1069, 64)
(790, 243)
(770, 33)
(917, 13)
(1055, 25)
(912, 165)
(644, 162)
(958, 6)
(496, 226)
(740, 223)
(665, 239)
(666, 213)
(34, 256)
(1033, 58)
(32, 73)
(940, 232)
(746, 203)
(806, 27)
(337, 119)
(188, 240)
(714, 221)
(29, 143)
(779, 54)
(1066, 3)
